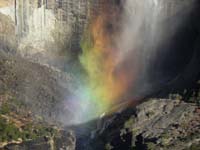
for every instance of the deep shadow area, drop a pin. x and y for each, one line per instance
(176, 67)
(96, 133)
(175, 70)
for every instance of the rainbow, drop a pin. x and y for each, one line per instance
(107, 80)
(105, 83)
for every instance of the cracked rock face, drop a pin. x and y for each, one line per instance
(7, 34)
(155, 124)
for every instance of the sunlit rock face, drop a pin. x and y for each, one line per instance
(49, 30)
(5, 3)
(7, 34)
(35, 31)
(7, 7)
(8, 41)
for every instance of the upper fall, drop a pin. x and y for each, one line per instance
(112, 49)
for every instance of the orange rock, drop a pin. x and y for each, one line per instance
(5, 3)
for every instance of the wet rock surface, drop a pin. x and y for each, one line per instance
(155, 124)
(161, 124)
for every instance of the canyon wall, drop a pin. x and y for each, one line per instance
(50, 31)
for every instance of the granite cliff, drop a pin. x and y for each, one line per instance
(38, 38)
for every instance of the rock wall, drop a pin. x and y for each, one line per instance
(50, 28)
(153, 125)
(65, 141)
(7, 34)
(50, 31)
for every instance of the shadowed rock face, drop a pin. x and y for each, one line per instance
(65, 141)
(34, 85)
(176, 62)
(155, 124)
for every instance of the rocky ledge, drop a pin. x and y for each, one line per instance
(64, 141)
(157, 124)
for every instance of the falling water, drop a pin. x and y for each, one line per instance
(117, 50)
(119, 47)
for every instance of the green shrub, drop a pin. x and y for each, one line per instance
(5, 109)
(194, 147)
(8, 131)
